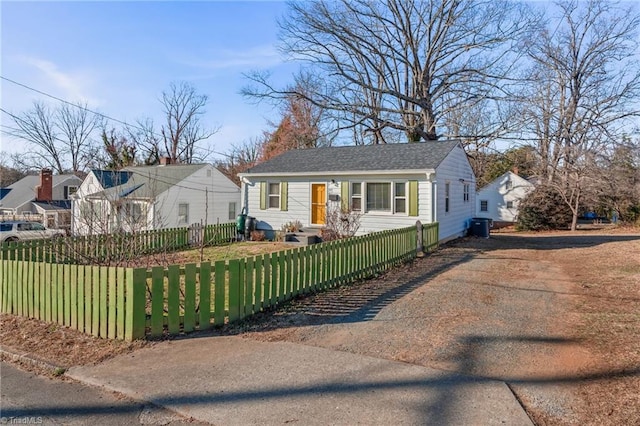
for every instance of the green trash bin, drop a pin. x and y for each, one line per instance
(240, 223)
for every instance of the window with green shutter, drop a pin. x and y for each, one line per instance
(284, 196)
(344, 195)
(413, 198)
(263, 195)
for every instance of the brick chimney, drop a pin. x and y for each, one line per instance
(165, 160)
(44, 191)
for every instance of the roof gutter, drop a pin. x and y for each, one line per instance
(340, 173)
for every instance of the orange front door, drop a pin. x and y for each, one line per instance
(318, 203)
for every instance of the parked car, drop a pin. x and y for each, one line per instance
(23, 230)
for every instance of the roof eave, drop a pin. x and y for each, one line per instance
(339, 173)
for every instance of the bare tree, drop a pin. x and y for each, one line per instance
(585, 87)
(62, 138)
(402, 65)
(182, 132)
(144, 137)
(37, 126)
(77, 126)
(240, 158)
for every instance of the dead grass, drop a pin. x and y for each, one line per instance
(212, 254)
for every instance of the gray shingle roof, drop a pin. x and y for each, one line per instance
(404, 156)
(24, 190)
(145, 181)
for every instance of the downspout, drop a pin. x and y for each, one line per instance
(434, 197)
(244, 206)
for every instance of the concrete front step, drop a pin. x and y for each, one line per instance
(302, 238)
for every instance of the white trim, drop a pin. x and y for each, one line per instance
(279, 195)
(337, 173)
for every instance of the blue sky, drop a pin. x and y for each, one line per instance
(120, 56)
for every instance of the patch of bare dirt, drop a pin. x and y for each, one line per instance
(58, 345)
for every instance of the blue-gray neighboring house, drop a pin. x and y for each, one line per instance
(45, 197)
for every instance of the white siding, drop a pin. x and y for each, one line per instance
(208, 198)
(208, 193)
(89, 185)
(497, 196)
(456, 170)
(299, 202)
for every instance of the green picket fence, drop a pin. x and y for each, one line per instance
(97, 300)
(127, 303)
(85, 249)
(430, 234)
(197, 297)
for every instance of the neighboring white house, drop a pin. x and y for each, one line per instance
(46, 197)
(391, 185)
(500, 199)
(153, 197)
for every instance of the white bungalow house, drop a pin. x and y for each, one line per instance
(153, 197)
(500, 199)
(391, 186)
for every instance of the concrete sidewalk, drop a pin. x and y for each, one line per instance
(236, 381)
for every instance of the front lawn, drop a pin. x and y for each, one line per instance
(232, 251)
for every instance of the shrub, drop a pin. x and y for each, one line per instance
(257, 236)
(341, 223)
(293, 226)
(543, 209)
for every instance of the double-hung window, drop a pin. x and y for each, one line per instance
(356, 196)
(484, 205)
(133, 212)
(183, 213)
(447, 187)
(400, 195)
(466, 193)
(274, 196)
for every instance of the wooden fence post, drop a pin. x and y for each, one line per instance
(420, 248)
(135, 310)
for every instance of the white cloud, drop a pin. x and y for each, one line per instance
(70, 86)
(255, 57)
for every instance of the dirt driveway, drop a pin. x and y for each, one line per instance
(556, 316)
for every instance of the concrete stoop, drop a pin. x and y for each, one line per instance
(304, 237)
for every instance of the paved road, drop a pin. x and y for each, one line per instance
(28, 397)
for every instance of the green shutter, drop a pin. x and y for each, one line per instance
(413, 198)
(263, 195)
(284, 196)
(344, 195)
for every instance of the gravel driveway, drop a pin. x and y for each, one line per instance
(503, 308)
